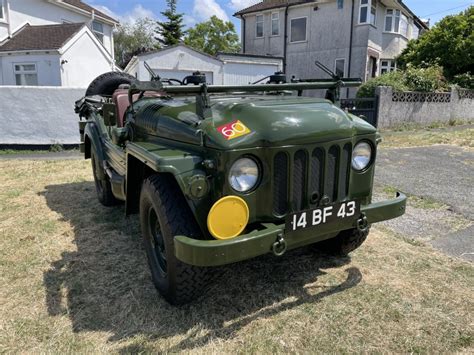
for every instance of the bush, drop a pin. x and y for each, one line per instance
(411, 79)
(393, 79)
(466, 81)
(425, 79)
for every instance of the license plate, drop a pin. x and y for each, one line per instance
(323, 215)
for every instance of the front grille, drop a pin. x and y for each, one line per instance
(302, 178)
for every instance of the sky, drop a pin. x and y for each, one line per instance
(200, 10)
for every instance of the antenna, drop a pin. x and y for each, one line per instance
(327, 70)
(154, 76)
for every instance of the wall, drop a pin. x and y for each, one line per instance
(41, 12)
(422, 108)
(39, 115)
(48, 67)
(180, 59)
(85, 61)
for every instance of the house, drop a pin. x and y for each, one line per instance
(54, 43)
(355, 38)
(179, 61)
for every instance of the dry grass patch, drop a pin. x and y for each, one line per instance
(74, 279)
(463, 137)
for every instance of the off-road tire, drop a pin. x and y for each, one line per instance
(180, 283)
(102, 182)
(107, 83)
(345, 242)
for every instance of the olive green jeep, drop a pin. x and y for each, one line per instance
(221, 174)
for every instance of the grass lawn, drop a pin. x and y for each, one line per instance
(74, 278)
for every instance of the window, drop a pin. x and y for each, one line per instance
(368, 12)
(26, 74)
(98, 30)
(259, 26)
(340, 68)
(396, 22)
(275, 24)
(387, 66)
(298, 29)
(340, 4)
(2, 10)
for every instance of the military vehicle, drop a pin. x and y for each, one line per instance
(220, 174)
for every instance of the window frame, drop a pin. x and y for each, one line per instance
(24, 72)
(100, 35)
(278, 23)
(369, 6)
(256, 25)
(397, 17)
(306, 29)
(390, 67)
(3, 11)
(344, 74)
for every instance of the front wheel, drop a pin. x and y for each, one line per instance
(164, 214)
(344, 243)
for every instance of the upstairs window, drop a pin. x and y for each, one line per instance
(26, 74)
(387, 66)
(396, 22)
(275, 24)
(259, 26)
(340, 68)
(298, 29)
(98, 30)
(2, 10)
(340, 4)
(368, 12)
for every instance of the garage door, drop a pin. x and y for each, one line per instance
(181, 74)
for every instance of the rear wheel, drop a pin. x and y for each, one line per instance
(164, 214)
(344, 243)
(107, 83)
(102, 182)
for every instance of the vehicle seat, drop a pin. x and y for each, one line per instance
(120, 98)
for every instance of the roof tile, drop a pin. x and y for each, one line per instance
(46, 37)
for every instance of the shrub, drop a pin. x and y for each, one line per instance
(411, 79)
(393, 79)
(465, 80)
(425, 79)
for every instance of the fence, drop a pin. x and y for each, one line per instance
(38, 115)
(367, 108)
(397, 108)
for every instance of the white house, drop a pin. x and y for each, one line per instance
(180, 61)
(54, 43)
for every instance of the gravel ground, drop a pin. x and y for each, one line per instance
(440, 173)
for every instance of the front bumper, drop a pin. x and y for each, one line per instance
(259, 242)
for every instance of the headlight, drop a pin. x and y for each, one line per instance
(361, 156)
(243, 175)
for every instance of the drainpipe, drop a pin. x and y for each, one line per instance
(244, 31)
(285, 38)
(9, 22)
(349, 64)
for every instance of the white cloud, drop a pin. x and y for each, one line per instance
(238, 5)
(131, 16)
(203, 10)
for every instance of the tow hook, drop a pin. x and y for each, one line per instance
(279, 247)
(362, 224)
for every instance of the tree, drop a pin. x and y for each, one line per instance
(213, 36)
(170, 32)
(450, 44)
(133, 39)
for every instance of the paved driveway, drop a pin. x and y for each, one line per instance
(443, 173)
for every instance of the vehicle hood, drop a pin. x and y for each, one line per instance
(239, 123)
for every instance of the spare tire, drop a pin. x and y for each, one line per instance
(107, 83)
